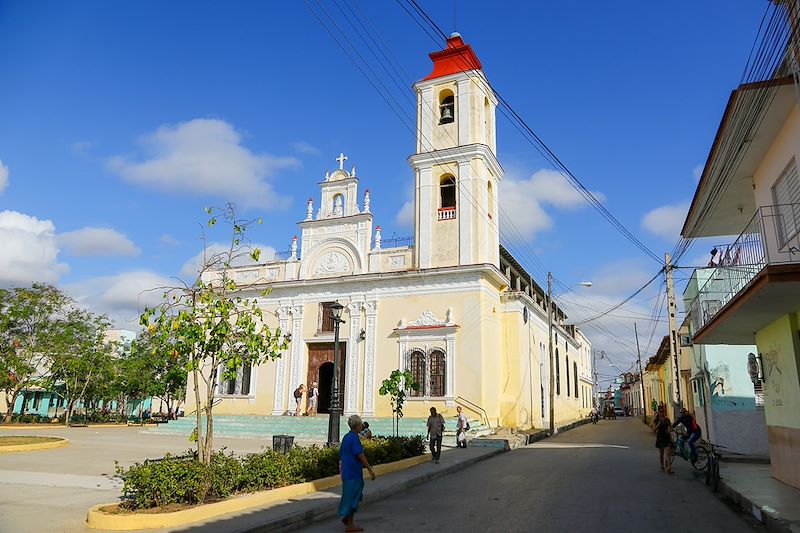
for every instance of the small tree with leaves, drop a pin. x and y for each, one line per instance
(31, 320)
(212, 326)
(395, 386)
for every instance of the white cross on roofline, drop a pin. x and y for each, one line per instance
(341, 159)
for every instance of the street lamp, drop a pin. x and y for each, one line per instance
(335, 409)
(550, 347)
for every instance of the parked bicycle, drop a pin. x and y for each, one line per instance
(714, 458)
(682, 449)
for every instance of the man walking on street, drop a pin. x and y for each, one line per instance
(435, 433)
(351, 463)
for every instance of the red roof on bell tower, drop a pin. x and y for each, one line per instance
(456, 57)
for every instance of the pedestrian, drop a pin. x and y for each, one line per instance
(352, 461)
(462, 426)
(313, 396)
(693, 432)
(298, 398)
(365, 433)
(661, 426)
(435, 433)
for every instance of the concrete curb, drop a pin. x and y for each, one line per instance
(325, 510)
(35, 446)
(98, 519)
(763, 513)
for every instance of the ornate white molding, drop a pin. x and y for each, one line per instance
(333, 262)
(351, 388)
(279, 403)
(297, 346)
(428, 319)
(371, 311)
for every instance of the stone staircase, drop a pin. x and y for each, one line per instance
(305, 429)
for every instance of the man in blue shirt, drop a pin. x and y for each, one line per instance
(352, 461)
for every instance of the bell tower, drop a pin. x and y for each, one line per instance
(456, 170)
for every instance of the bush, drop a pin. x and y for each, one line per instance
(184, 480)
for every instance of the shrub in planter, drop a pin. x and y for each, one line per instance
(185, 480)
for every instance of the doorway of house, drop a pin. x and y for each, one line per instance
(320, 369)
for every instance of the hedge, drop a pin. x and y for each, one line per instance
(185, 480)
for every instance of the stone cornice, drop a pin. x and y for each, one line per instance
(459, 154)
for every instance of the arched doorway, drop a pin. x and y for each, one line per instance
(325, 385)
(320, 369)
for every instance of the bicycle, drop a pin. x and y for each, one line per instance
(712, 472)
(681, 448)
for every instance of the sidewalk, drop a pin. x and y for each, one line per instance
(305, 510)
(752, 487)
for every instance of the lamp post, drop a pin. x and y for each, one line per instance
(335, 409)
(550, 347)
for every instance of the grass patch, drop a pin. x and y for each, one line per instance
(14, 440)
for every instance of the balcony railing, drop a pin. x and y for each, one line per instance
(772, 237)
(447, 213)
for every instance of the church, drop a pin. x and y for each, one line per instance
(452, 305)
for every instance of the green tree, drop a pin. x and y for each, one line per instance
(31, 321)
(83, 360)
(395, 386)
(212, 326)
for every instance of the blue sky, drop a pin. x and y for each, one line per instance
(110, 110)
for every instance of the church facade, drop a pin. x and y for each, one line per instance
(452, 305)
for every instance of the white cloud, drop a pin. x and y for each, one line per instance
(122, 297)
(205, 157)
(29, 250)
(97, 241)
(523, 201)
(405, 217)
(168, 240)
(551, 187)
(82, 147)
(305, 148)
(666, 221)
(191, 268)
(3, 176)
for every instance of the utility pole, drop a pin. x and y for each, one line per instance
(641, 374)
(550, 351)
(673, 333)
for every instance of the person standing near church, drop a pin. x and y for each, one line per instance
(352, 461)
(462, 426)
(435, 433)
(313, 396)
(298, 398)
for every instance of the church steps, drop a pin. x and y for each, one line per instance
(302, 428)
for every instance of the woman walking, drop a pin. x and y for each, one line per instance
(662, 426)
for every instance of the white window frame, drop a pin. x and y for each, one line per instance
(428, 340)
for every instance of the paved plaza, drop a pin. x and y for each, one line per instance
(51, 490)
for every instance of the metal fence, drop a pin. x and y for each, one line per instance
(772, 237)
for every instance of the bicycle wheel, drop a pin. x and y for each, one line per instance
(702, 458)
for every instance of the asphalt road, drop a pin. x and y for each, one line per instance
(596, 478)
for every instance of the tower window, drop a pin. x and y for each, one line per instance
(447, 192)
(489, 199)
(447, 107)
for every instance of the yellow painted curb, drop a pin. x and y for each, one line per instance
(37, 446)
(98, 519)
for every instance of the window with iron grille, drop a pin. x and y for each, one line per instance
(416, 363)
(437, 366)
(236, 387)
(429, 369)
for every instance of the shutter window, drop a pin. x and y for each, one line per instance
(786, 192)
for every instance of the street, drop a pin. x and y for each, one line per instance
(598, 478)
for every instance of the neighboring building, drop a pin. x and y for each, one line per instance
(450, 304)
(631, 390)
(657, 383)
(750, 187)
(727, 405)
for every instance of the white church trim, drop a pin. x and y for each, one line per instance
(279, 404)
(351, 372)
(371, 315)
(298, 357)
